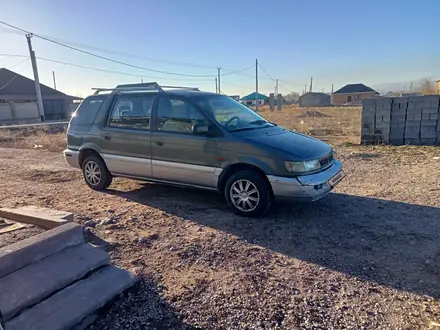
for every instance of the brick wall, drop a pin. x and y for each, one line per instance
(355, 98)
(401, 120)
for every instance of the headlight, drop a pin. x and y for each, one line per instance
(307, 166)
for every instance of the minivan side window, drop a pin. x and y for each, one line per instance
(178, 116)
(86, 112)
(132, 111)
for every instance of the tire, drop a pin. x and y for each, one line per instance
(255, 197)
(102, 178)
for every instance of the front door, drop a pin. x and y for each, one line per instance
(126, 138)
(178, 154)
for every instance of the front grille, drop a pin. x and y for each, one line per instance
(327, 160)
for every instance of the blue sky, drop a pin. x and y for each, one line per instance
(374, 42)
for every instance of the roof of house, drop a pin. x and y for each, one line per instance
(253, 96)
(315, 94)
(16, 86)
(354, 88)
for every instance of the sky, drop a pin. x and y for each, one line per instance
(380, 43)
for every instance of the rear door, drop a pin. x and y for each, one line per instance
(178, 154)
(126, 137)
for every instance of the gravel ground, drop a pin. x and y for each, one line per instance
(365, 257)
(19, 234)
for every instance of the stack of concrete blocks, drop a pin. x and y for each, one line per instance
(401, 120)
(280, 102)
(272, 101)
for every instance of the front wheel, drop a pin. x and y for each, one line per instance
(248, 194)
(96, 174)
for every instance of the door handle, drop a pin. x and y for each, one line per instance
(159, 143)
(107, 137)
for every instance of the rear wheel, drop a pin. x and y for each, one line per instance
(96, 174)
(248, 194)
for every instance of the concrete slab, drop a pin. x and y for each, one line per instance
(8, 227)
(28, 251)
(70, 306)
(43, 217)
(29, 285)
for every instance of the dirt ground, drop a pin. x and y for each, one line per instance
(365, 257)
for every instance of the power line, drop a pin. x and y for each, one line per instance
(104, 57)
(102, 70)
(16, 74)
(266, 73)
(238, 71)
(64, 43)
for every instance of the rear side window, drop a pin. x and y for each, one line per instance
(132, 111)
(86, 112)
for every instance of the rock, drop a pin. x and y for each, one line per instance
(83, 217)
(89, 223)
(111, 211)
(109, 221)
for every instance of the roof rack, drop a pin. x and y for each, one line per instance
(150, 86)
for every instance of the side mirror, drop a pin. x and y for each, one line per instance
(200, 129)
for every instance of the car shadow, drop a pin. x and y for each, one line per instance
(391, 243)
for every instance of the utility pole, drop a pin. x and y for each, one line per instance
(54, 81)
(256, 85)
(216, 87)
(276, 87)
(311, 84)
(332, 88)
(36, 79)
(305, 88)
(142, 81)
(218, 78)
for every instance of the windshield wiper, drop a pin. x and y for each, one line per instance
(258, 122)
(246, 129)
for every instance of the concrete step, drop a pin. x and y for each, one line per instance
(28, 251)
(70, 306)
(31, 284)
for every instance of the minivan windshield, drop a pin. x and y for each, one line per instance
(232, 115)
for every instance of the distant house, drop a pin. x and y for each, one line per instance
(253, 98)
(353, 94)
(314, 100)
(18, 99)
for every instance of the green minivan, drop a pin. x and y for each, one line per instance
(185, 137)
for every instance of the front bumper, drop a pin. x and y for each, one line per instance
(72, 157)
(307, 188)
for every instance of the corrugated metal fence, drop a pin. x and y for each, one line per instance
(401, 120)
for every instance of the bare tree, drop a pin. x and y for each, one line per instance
(292, 97)
(427, 86)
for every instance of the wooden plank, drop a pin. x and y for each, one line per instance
(31, 284)
(70, 306)
(39, 216)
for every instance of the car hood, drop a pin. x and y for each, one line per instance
(299, 145)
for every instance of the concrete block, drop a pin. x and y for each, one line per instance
(414, 115)
(429, 122)
(32, 249)
(43, 217)
(428, 142)
(396, 142)
(279, 102)
(397, 132)
(369, 104)
(433, 110)
(29, 285)
(383, 103)
(431, 116)
(412, 132)
(413, 123)
(412, 141)
(70, 306)
(398, 120)
(415, 102)
(368, 138)
(428, 132)
(431, 101)
(383, 116)
(399, 103)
